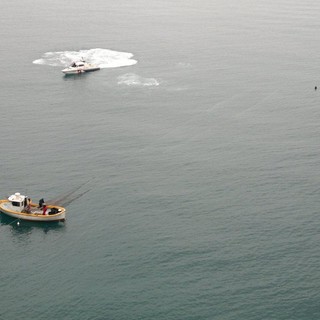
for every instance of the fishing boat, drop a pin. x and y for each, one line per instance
(80, 67)
(21, 207)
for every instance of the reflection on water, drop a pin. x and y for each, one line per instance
(22, 227)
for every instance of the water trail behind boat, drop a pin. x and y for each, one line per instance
(104, 58)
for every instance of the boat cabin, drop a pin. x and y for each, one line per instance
(77, 64)
(18, 201)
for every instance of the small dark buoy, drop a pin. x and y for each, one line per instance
(315, 88)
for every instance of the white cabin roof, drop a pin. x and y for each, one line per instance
(17, 197)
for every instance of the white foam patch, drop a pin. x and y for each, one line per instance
(103, 58)
(184, 64)
(132, 79)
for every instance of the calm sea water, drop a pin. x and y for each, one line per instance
(201, 160)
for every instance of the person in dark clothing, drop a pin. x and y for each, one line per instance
(41, 202)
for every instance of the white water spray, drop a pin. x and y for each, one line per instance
(103, 58)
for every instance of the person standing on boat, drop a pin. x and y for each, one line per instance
(44, 209)
(41, 202)
(28, 206)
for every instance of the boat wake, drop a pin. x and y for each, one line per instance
(103, 58)
(132, 79)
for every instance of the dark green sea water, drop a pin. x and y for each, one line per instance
(201, 160)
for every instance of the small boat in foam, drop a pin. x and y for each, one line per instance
(80, 67)
(21, 207)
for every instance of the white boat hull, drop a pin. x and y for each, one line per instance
(35, 215)
(77, 70)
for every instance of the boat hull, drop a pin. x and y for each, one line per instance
(34, 216)
(79, 70)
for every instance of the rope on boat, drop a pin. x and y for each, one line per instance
(70, 196)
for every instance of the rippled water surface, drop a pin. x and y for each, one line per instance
(196, 148)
